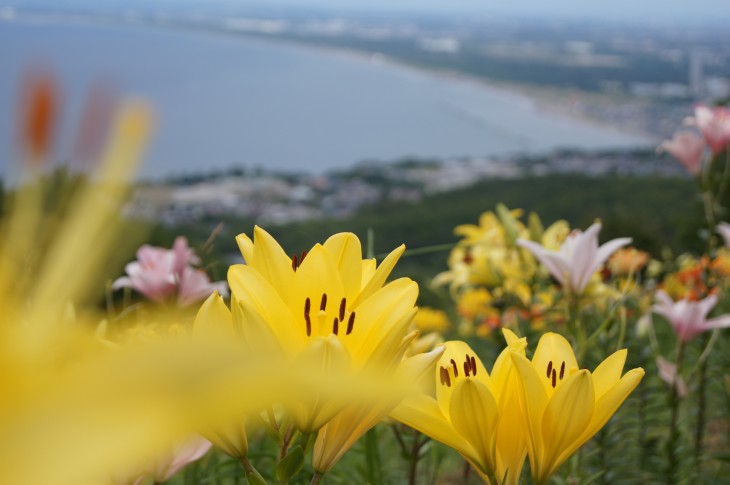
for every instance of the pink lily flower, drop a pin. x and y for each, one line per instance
(714, 123)
(723, 229)
(160, 273)
(578, 258)
(689, 318)
(194, 285)
(687, 147)
(152, 274)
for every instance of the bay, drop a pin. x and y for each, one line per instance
(224, 100)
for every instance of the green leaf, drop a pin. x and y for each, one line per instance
(291, 464)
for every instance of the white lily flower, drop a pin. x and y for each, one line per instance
(578, 258)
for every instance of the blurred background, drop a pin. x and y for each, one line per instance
(402, 117)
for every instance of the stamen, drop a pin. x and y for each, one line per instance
(445, 377)
(301, 258)
(323, 303)
(554, 383)
(294, 262)
(335, 326)
(456, 368)
(473, 361)
(550, 368)
(350, 323)
(562, 370)
(342, 309)
(466, 368)
(307, 307)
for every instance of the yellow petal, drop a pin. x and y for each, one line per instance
(606, 406)
(368, 270)
(474, 415)
(340, 433)
(423, 413)
(534, 397)
(381, 317)
(502, 375)
(346, 251)
(511, 441)
(252, 289)
(554, 354)
(326, 357)
(317, 279)
(213, 316)
(608, 373)
(566, 417)
(270, 259)
(380, 275)
(245, 245)
(452, 368)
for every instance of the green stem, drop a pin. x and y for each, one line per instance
(252, 475)
(415, 450)
(674, 434)
(701, 412)
(316, 478)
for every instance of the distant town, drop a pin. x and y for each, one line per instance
(281, 198)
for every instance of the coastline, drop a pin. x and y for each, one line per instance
(552, 101)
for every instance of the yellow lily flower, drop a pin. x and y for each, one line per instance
(564, 406)
(473, 412)
(328, 308)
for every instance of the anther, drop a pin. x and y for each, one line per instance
(350, 323)
(294, 262)
(335, 326)
(466, 368)
(456, 368)
(343, 303)
(562, 370)
(554, 383)
(307, 307)
(445, 377)
(301, 257)
(473, 362)
(550, 369)
(323, 303)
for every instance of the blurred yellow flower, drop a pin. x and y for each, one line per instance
(331, 310)
(431, 320)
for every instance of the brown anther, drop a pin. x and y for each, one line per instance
(323, 303)
(350, 323)
(294, 262)
(301, 257)
(335, 326)
(307, 308)
(473, 362)
(466, 368)
(456, 368)
(562, 370)
(343, 303)
(468, 258)
(445, 377)
(554, 383)
(550, 369)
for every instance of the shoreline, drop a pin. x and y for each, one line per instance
(543, 99)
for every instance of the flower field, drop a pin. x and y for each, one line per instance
(551, 356)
